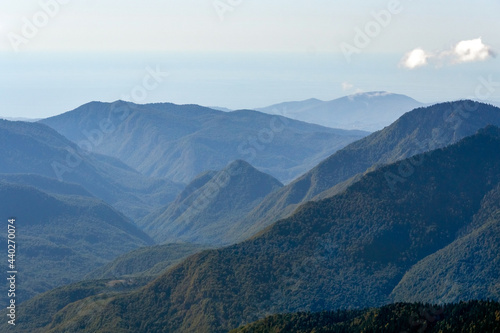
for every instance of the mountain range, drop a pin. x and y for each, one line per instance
(60, 237)
(368, 111)
(359, 248)
(417, 131)
(30, 149)
(178, 142)
(407, 214)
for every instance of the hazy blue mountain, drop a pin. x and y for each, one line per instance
(45, 184)
(370, 111)
(60, 238)
(420, 130)
(350, 250)
(29, 120)
(220, 108)
(33, 148)
(209, 210)
(181, 141)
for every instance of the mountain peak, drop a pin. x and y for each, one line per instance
(210, 211)
(240, 165)
(368, 111)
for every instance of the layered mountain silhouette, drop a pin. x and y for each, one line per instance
(179, 142)
(60, 238)
(36, 149)
(370, 111)
(420, 130)
(358, 248)
(207, 210)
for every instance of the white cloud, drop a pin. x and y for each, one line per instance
(378, 94)
(465, 51)
(415, 58)
(356, 93)
(347, 86)
(472, 50)
(351, 89)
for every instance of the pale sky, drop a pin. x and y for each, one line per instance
(151, 32)
(256, 25)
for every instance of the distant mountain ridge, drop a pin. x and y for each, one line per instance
(45, 184)
(369, 111)
(179, 142)
(28, 120)
(36, 149)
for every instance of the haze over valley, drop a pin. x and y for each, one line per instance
(249, 166)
